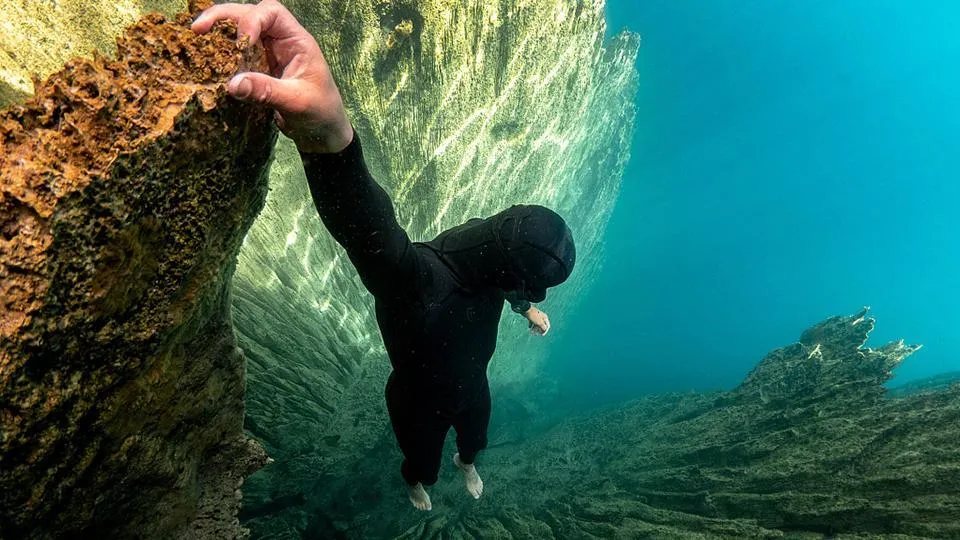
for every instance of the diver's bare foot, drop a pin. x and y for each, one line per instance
(419, 497)
(474, 483)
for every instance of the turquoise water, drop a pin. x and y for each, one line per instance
(793, 161)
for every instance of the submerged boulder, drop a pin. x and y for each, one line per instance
(126, 188)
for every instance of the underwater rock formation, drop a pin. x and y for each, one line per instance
(464, 108)
(38, 37)
(126, 188)
(808, 446)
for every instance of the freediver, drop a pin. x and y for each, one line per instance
(438, 303)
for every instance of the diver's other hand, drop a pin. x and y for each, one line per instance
(308, 105)
(539, 322)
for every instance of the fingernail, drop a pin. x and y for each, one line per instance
(199, 18)
(240, 87)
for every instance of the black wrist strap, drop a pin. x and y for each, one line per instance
(520, 307)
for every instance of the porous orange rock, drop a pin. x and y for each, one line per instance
(126, 188)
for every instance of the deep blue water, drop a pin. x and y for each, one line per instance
(793, 160)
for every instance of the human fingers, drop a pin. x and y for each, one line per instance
(234, 12)
(267, 19)
(261, 88)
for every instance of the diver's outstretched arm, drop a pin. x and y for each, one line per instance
(359, 215)
(309, 110)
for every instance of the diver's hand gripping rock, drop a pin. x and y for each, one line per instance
(308, 105)
(539, 322)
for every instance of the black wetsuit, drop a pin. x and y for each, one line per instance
(439, 333)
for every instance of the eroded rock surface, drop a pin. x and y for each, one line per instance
(126, 188)
(38, 37)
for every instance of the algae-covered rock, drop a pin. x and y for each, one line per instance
(37, 37)
(126, 187)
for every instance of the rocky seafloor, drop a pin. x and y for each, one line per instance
(810, 445)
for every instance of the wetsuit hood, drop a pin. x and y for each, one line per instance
(525, 248)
